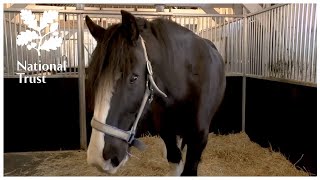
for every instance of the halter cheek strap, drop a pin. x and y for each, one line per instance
(129, 136)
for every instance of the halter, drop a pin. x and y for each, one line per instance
(129, 136)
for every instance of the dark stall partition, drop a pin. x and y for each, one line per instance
(41, 116)
(285, 116)
(46, 116)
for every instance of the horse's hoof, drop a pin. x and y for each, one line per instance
(175, 169)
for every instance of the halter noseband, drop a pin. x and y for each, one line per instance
(129, 136)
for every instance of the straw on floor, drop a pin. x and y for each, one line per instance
(225, 155)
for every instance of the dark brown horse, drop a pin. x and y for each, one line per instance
(158, 67)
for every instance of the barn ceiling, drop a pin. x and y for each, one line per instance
(207, 8)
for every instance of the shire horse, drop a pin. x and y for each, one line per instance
(160, 67)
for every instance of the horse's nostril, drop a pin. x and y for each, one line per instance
(115, 162)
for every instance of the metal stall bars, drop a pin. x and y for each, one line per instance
(13, 25)
(282, 44)
(223, 30)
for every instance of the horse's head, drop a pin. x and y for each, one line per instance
(117, 79)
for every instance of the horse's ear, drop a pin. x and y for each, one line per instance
(96, 31)
(130, 26)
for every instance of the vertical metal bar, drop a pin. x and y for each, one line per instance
(208, 27)
(268, 44)
(267, 39)
(244, 75)
(241, 61)
(88, 41)
(257, 66)
(312, 17)
(6, 43)
(314, 48)
(278, 24)
(44, 57)
(230, 47)
(217, 34)
(225, 43)
(275, 33)
(211, 29)
(214, 37)
(253, 30)
(64, 43)
(265, 44)
(253, 42)
(38, 58)
(236, 45)
(11, 45)
(256, 62)
(282, 71)
(262, 42)
(272, 49)
(27, 54)
(21, 49)
(194, 25)
(220, 37)
(297, 43)
(256, 55)
(249, 45)
(70, 55)
(294, 41)
(289, 41)
(270, 40)
(300, 45)
(15, 36)
(74, 42)
(285, 40)
(258, 41)
(31, 57)
(260, 45)
(283, 43)
(309, 66)
(202, 23)
(82, 75)
(307, 23)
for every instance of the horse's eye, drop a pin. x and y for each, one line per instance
(133, 78)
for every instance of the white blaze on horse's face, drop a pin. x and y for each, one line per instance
(101, 108)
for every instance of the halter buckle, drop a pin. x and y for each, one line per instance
(131, 138)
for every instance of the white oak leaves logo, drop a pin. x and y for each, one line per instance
(34, 38)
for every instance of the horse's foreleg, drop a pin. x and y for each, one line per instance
(173, 154)
(196, 145)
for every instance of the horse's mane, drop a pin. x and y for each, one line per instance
(108, 57)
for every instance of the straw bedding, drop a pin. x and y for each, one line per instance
(225, 155)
